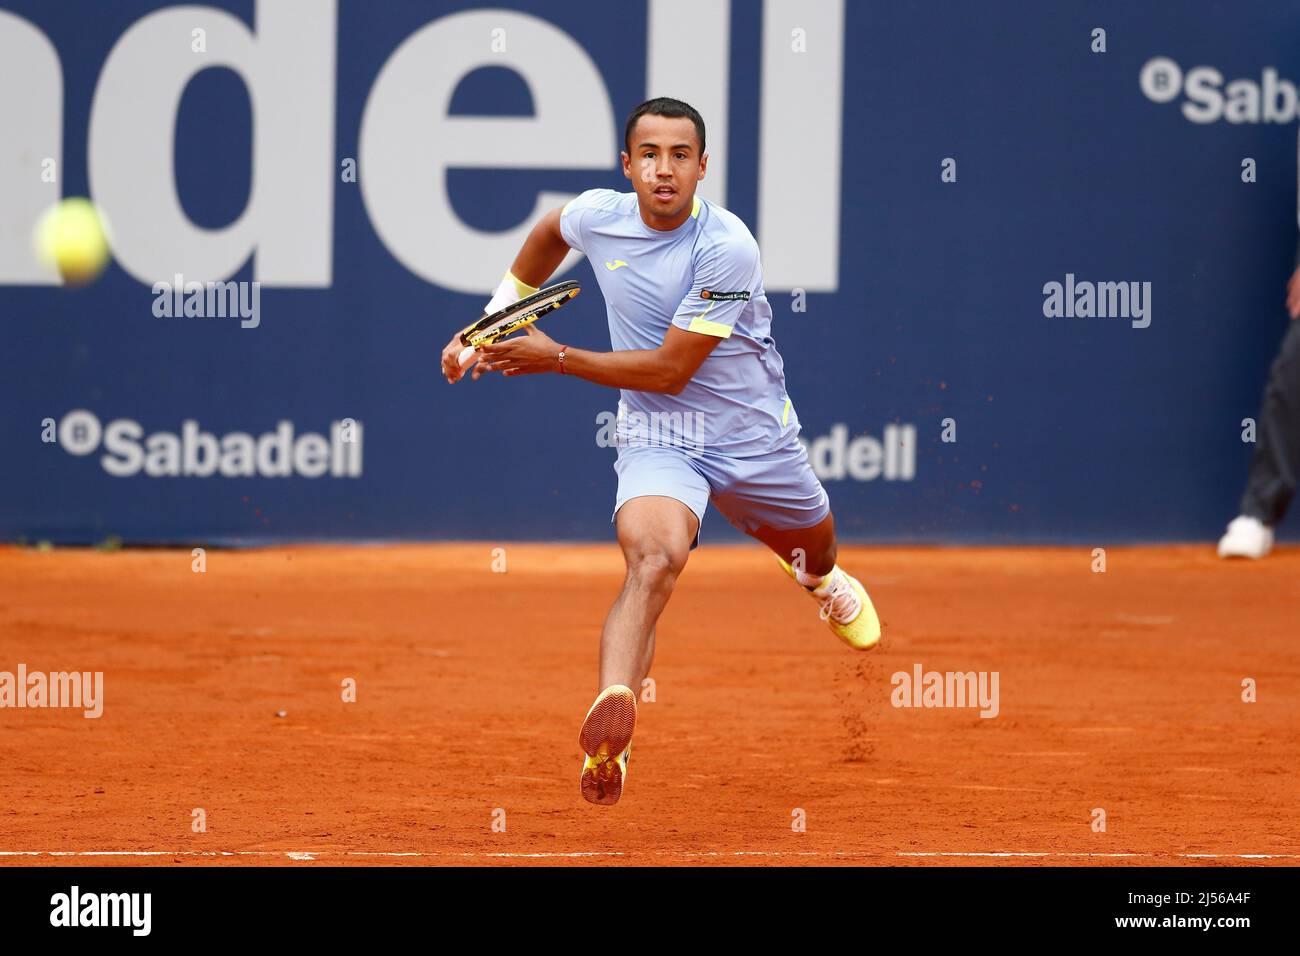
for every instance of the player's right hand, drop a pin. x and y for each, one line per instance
(451, 368)
(1293, 295)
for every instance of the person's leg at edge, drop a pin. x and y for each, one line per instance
(1275, 464)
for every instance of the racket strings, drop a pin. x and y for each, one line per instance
(514, 317)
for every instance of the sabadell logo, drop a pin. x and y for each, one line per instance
(836, 456)
(1208, 99)
(195, 453)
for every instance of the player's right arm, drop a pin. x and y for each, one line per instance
(541, 254)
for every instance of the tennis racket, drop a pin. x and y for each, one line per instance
(495, 327)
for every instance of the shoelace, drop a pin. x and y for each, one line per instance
(839, 601)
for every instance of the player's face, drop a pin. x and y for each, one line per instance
(664, 166)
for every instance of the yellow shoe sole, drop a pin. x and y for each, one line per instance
(606, 739)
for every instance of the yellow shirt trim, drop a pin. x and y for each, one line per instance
(701, 324)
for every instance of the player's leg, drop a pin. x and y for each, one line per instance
(661, 500)
(648, 657)
(778, 500)
(811, 551)
(655, 534)
(809, 556)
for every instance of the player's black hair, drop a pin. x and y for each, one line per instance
(664, 106)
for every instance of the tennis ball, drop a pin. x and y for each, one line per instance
(72, 237)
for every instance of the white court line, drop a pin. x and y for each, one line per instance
(315, 855)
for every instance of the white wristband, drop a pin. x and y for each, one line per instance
(510, 291)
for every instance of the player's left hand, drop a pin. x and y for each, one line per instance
(526, 354)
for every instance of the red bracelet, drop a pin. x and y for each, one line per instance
(560, 357)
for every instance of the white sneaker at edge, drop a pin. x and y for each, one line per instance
(1246, 537)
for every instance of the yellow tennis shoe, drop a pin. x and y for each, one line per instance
(606, 740)
(845, 607)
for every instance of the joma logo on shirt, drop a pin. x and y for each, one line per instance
(725, 296)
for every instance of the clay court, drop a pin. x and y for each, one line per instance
(1119, 690)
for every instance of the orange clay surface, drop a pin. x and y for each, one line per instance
(1120, 691)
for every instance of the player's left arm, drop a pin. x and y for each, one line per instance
(664, 369)
(725, 276)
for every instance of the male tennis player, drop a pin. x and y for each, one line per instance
(691, 330)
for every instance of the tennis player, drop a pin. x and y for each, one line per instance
(703, 415)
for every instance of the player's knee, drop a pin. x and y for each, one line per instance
(654, 568)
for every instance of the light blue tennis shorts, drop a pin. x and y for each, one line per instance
(776, 490)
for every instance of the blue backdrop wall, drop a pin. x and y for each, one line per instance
(924, 298)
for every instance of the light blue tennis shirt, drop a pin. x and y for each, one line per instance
(703, 276)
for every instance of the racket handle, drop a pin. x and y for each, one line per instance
(466, 355)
